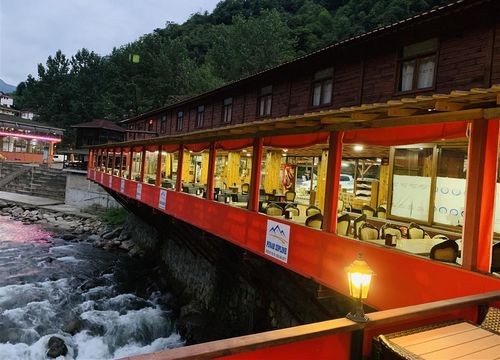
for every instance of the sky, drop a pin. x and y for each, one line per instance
(31, 30)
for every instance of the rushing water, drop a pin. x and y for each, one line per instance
(47, 283)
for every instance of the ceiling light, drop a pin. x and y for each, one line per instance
(285, 150)
(379, 160)
(358, 147)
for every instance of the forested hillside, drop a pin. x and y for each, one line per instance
(238, 38)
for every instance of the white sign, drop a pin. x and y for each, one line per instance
(110, 181)
(277, 240)
(138, 193)
(163, 199)
(449, 201)
(411, 196)
(122, 185)
(102, 177)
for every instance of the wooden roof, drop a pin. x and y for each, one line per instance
(458, 105)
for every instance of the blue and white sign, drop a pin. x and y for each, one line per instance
(162, 203)
(122, 185)
(110, 181)
(138, 193)
(277, 240)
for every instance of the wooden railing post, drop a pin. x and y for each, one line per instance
(332, 181)
(158, 167)
(211, 171)
(253, 194)
(482, 163)
(143, 163)
(180, 160)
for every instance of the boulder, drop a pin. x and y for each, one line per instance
(74, 326)
(68, 236)
(93, 238)
(56, 347)
(17, 211)
(127, 245)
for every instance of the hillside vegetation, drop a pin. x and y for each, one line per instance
(238, 38)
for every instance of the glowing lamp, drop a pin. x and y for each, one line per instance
(359, 275)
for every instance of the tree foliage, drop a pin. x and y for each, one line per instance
(238, 38)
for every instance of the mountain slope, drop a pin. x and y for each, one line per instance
(6, 88)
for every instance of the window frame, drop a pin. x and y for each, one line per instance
(227, 108)
(266, 98)
(200, 116)
(322, 80)
(163, 124)
(179, 124)
(417, 58)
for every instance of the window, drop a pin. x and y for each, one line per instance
(264, 101)
(227, 110)
(151, 124)
(417, 65)
(180, 120)
(322, 87)
(163, 124)
(200, 116)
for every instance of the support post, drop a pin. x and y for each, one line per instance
(211, 171)
(180, 160)
(143, 163)
(332, 181)
(158, 167)
(101, 151)
(90, 164)
(131, 163)
(113, 162)
(482, 163)
(107, 161)
(253, 198)
(121, 163)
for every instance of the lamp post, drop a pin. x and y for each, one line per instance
(359, 275)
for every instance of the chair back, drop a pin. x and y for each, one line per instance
(495, 258)
(381, 212)
(274, 210)
(440, 236)
(340, 206)
(368, 211)
(343, 225)
(360, 220)
(390, 229)
(447, 251)
(290, 196)
(315, 221)
(368, 232)
(311, 210)
(294, 210)
(416, 232)
(244, 188)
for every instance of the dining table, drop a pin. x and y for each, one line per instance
(414, 246)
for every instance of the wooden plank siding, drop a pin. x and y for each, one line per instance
(365, 71)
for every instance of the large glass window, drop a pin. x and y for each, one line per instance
(169, 163)
(150, 167)
(136, 165)
(125, 161)
(195, 172)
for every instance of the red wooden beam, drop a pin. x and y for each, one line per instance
(253, 198)
(332, 181)
(211, 171)
(180, 160)
(158, 167)
(480, 199)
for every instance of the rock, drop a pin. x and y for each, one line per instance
(93, 238)
(124, 235)
(74, 326)
(56, 347)
(112, 234)
(127, 245)
(135, 251)
(68, 236)
(3, 204)
(17, 212)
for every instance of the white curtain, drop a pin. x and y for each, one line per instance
(425, 73)
(407, 75)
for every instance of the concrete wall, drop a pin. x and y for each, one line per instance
(83, 193)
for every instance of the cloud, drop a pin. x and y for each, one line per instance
(31, 30)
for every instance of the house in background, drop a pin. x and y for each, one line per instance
(6, 100)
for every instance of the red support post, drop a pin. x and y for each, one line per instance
(90, 164)
(107, 161)
(143, 163)
(211, 171)
(113, 162)
(121, 163)
(334, 162)
(180, 159)
(131, 163)
(101, 159)
(482, 163)
(158, 167)
(253, 199)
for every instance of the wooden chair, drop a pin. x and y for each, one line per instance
(340, 206)
(368, 211)
(439, 236)
(290, 196)
(381, 212)
(311, 210)
(293, 209)
(390, 229)
(315, 221)
(368, 232)
(274, 210)
(447, 251)
(416, 232)
(495, 258)
(360, 220)
(343, 225)
(245, 188)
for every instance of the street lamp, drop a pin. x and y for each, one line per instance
(359, 275)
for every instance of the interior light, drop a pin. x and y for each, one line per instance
(285, 150)
(421, 148)
(244, 150)
(249, 155)
(358, 148)
(344, 164)
(379, 160)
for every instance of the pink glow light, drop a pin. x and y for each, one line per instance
(43, 138)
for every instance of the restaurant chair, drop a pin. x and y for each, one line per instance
(390, 229)
(343, 225)
(290, 196)
(274, 210)
(360, 220)
(293, 209)
(495, 258)
(245, 188)
(440, 236)
(315, 221)
(340, 206)
(368, 231)
(368, 211)
(416, 232)
(312, 210)
(242, 197)
(491, 321)
(447, 251)
(381, 212)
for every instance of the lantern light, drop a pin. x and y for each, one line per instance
(359, 275)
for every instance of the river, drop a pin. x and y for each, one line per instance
(107, 300)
